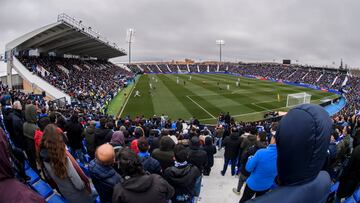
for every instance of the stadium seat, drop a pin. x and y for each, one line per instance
(33, 175)
(350, 200)
(55, 198)
(26, 165)
(334, 187)
(87, 158)
(97, 199)
(357, 195)
(42, 188)
(84, 168)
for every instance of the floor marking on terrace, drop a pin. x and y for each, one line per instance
(201, 107)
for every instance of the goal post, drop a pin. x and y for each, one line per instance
(298, 98)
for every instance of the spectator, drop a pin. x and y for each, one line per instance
(210, 150)
(139, 186)
(165, 153)
(100, 133)
(232, 146)
(74, 134)
(219, 132)
(302, 138)
(16, 133)
(62, 168)
(182, 176)
(153, 140)
(138, 132)
(43, 122)
(150, 164)
(29, 129)
(118, 139)
(262, 169)
(89, 135)
(11, 189)
(103, 174)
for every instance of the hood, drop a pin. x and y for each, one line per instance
(118, 138)
(5, 164)
(139, 183)
(30, 113)
(234, 136)
(166, 144)
(100, 171)
(180, 175)
(302, 138)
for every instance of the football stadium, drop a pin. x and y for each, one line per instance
(169, 118)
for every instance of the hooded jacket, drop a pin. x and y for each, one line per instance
(232, 145)
(11, 189)
(30, 126)
(74, 133)
(144, 188)
(17, 134)
(182, 178)
(104, 179)
(302, 138)
(165, 153)
(90, 140)
(196, 155)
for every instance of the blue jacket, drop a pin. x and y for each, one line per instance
(104, 179)
(262, 167)
(302, 140)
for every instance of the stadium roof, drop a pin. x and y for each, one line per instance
(67, 36)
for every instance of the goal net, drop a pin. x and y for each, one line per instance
(298, 98)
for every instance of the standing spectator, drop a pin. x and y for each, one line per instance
(153, 140)
(137, 185)
(302, 138)
(43, 122)
(118, 139)
(138, 132)
(16, 133)
(262, 169)
(89, 134)
(11, 189)
(232, 146)
(103, 174)
(182, 176)
(210, 150)
(74, 134)
(100, 133)
(62, 168)
(219, 132)
(165, 153)
(29, 129)
(150, 164)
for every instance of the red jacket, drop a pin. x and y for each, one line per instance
(37, 138)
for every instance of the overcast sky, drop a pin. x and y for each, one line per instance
(312, 32)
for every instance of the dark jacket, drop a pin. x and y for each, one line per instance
(210, 150)
(104, 179)
(350, 178)
(197, 156)
(145, 189)
(74, 134)
(90, 140)
(30, 126)
(17, 135)
(150, 164)
(154, 143)
(302, 137)
(249, 152)
(165, 154)
(232, 146)
(183, 179)
(100, 136)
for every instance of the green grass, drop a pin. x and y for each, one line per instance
(202, 98)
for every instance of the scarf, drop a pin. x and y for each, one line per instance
(179, 164)
(79, 171)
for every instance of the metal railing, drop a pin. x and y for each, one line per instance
(78, 24)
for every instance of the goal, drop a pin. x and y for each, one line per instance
(298, 98)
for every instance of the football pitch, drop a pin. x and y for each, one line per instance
(204, 96)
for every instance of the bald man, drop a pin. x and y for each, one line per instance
(102, 173)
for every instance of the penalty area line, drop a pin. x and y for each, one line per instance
(201, 107)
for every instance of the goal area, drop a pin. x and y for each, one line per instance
(298, 98)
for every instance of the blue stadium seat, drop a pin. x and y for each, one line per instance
(350, 200)
(33, 175)
(26, 165)
(87, 158)
(357, 195)
(334, 187)
(84, 168)
(97, 199)
(42, 188)
(56, 199)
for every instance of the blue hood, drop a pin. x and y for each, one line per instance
(303, 137)
(99, 171)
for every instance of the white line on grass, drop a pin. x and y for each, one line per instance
(266, 109)
(127, 99)
(201, 107)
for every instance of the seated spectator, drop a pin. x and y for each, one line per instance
(302, 138)
(139, 186)
(165, 153)
(262, 169)
(210, 150)
(182, 176)
(102, 174)
(62, 168)
(150, 164)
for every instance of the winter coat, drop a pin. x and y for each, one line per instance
(262, 169)
(37, 138)
(302, 140)
(350, 178)
(74, 135)
(165, 154)
(150, 164)
(183, 179)
(100, 136)
(154, 143)
(245, 156)
(90, 140)
(29, 127)
(144, 188)
(232, 146)
(104, 179)
(197, 157)
(17, 135)
(12, 190)
(210, 151)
